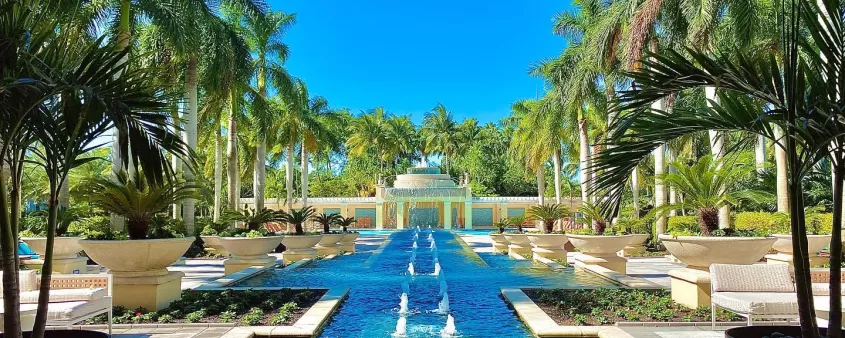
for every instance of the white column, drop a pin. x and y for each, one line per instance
(503, 215)
(468, 215)
(379, 215)
(400, 215)
(344, 210)
(447, 215)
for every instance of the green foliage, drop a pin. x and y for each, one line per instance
(593, 215)
(162, 226)
(630, 225)
(85, 225)
(516, 222)
(762, 223)
(548, 214)
(346, 222)
(210, 227)
(253, 317)
(285, 313)
(326, 221)
(227, 316)
(682, 225)
(164, 319)
(298, 218)
(255, 219)
(195, 317)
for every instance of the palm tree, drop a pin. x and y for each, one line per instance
(368, 133)
(326, 221)
(547, 214)
(345, 222)
(439, 132)
(299, 217)
(593, 215)
(531, 144)
(516, 221)
(264, 35)
(255, 218)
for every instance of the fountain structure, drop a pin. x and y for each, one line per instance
(425, 196)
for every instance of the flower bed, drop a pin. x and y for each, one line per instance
(609, 306)
(242, 308)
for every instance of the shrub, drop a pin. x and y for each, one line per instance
(227, 316)
(682, 225)
(762, 223)
(165, 319)
(253, 317)
(195, 317)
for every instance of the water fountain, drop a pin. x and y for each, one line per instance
(401, 329)
(443, 287)
(411, 269)
(415, 245)
(432, 247)
(449, 330)
(405, 288)
(403, 304)
(443, 307)
(436, 268)
(413, 256)
(430, 237)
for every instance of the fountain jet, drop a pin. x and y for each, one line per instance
(449, 330)
(403, 304)
(401, 325)
(443, 307)
(436, 268)
(405, 288)
(411, 269)
(415, 245)
(443, 287)
(432, 246)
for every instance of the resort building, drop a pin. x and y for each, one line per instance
(423, 196)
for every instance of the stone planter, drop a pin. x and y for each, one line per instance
(140, 271)
(347, 244)
(500, 243)
(635, 246)
(700, 252)
(519, 245)
(328, 244)
(783, 246)
(549, 246)
(248, 252)
(66, 258)
(213, 245)
(601, 251)
(299, 247)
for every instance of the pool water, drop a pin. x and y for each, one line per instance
(473, 282)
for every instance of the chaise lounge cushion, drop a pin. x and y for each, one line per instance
(751, 278)
(65, 295)
(28, 280)
(757, 303)
(73, 310)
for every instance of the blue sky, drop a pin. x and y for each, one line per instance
(470, 55)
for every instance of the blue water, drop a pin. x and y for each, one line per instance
(473, 280)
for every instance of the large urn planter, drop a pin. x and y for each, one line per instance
(140, 271)
(347, 244)
(549, 246)
(328, 245)
(299, 247)
(635, 246)
(700, 252)
(783, 246)
(248, 252)
(213, 245)
(500, 243)
(66, 251)
(519, 245)
(601, 251)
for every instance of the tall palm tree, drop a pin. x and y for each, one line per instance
(439, 132)
(368, 133)
(528, 145)
(264, 35)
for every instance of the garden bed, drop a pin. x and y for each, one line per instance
(648, 253)
(239, 307)
(610, 306)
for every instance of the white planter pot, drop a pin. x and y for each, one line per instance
(348, 242)
(599, 246)
(136, 258)
(213, 243)
(299, 243)
(636, 245)
(63, 247)
(700, 252)
(500, 243)
(549, 245)
(519, 244)
(328, 245)
(246, 248)
(815, 243)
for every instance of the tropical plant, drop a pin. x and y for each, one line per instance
(326, 220)
(136, 199)
(439, 133)
(346, 222)
(592, 214)
(298, 217)
(501, 225)
(548, 214)
(254, 218)
(516, 221)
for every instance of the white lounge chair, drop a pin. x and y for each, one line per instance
(753, 291)
(73, 298)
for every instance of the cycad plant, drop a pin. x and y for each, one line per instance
(516, 221)
(136, 200)
(548, 214)
(707, 186)
(593, 215)
(501, 225)
(254, 218)
(326, 220)
(345, 222)
(298, 218)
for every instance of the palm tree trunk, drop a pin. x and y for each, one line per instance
(47, 267)
(190, 135)
(835, 284)
(232, 152)
(289, 176)
(177, 161)
(304, 176)
(64, 195)
(218, 169)
(584, 160)
(673, 192)
(259, 173)
(8, 247)
(541, 185)
(635, 191)
(782, 174)
(123, 37)
(760, 154)
(556, 162)
(717, 149)
(659, 186)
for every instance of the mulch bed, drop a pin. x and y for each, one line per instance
(608, 306)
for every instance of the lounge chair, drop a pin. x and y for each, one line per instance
(73, 298)
(753, 291)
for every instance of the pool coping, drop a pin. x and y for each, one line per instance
(225, 282)
(309, 325)
(542, 325)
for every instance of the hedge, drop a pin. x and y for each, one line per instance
(761, 223)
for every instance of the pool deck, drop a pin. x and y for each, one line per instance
(200, 271)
